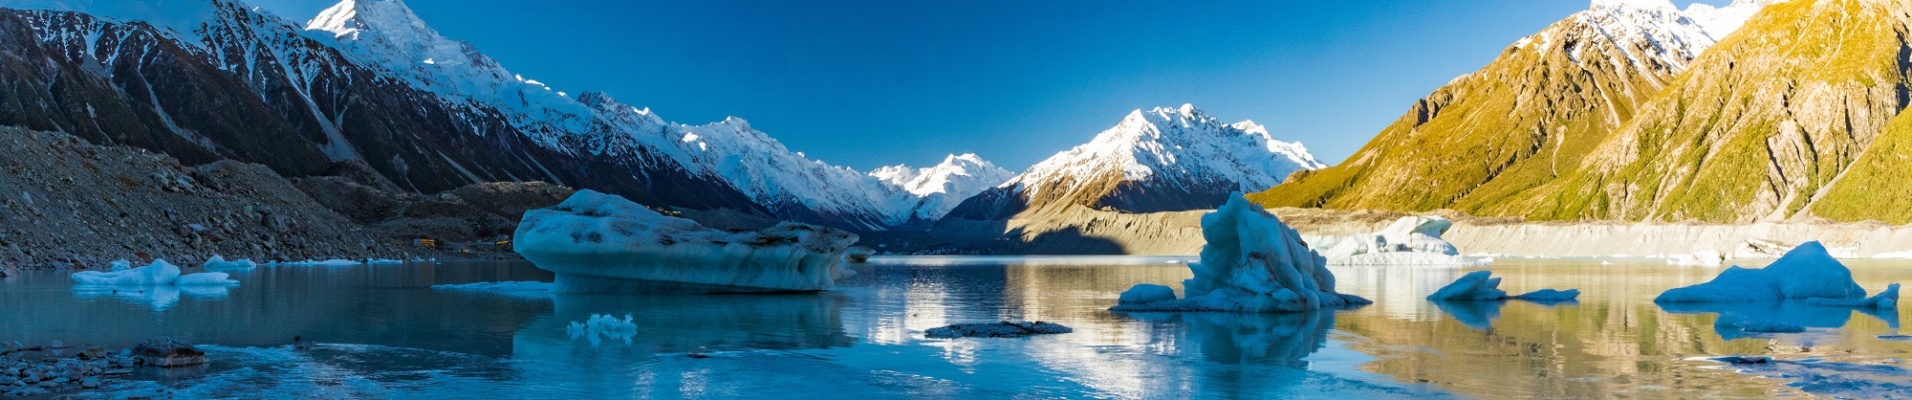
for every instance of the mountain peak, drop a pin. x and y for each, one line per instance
(1642, 4)
(348, 18)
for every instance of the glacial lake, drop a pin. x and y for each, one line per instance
(383, 332)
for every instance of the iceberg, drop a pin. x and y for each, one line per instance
(596, 242)
(1481, 286)
(1413, 240)
(1887, 299)
(1252, 262)
(158, 273)
(217, 263)
(1805, 272)
(205, 279)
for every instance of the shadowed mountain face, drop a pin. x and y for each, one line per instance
(257, 90)
(1796, 114)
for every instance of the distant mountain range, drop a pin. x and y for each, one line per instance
(366, 89)
(1634, 110)
(1164, 159)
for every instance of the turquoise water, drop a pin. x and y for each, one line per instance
(381, 331)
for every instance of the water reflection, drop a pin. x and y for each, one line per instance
(702, 323)
(1236, 338)
(1751, 319)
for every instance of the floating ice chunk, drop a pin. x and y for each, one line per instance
(1003, 329)
(512, 288)
(600, 327)
(120, 265)
(384, 261)
(217, 263)
(158, 273)
(1807, 271)
(1414, 240)
(1885, 300)
(1481, 286)
(1146, 293)
(1251, 263)
(1549, 295)
(603, 243)
(205, 279)
(1474, 286)
(335, 262)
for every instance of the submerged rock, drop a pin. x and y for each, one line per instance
(597, 242)
(1003, 329)
(1252, 263)
(168, 353)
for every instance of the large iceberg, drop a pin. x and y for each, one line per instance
(1251, 263)
(1413, 240)
(1806, 272)
(597, 242)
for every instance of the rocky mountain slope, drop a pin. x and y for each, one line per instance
(71, 204)
(1164, 159)
(367, 85)
(1541, 110)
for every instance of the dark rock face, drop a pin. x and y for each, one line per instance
(168, 353)
(259, 91)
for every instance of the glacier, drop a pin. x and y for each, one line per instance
(1806, 272)
(597, 242)
(1252, 263)
(1412, 240)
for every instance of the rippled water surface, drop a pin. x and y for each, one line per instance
(381, 331)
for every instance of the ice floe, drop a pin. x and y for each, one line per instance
(511, 288)
(597, 242)
(1482, 286)
(1414, 240)
(217, 263)
(1702, 258)
(158, 273)
(1807, 271)
(1252, 262)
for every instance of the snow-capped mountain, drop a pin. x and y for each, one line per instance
(427, 112)
(1164, 159)
(935, 190)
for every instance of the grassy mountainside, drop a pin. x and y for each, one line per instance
(1757, 129)
(1778, 120)
(1540, 106)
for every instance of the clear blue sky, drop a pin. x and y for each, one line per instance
(870, 83)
